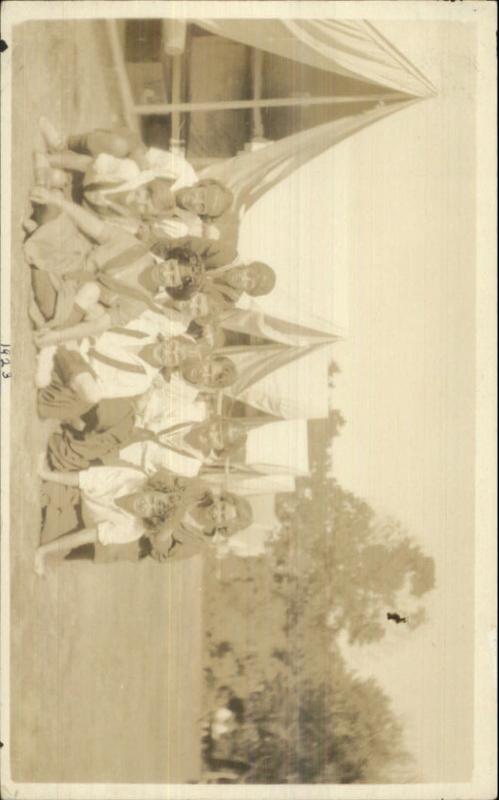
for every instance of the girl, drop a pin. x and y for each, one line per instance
(110, 283)
(231, 282)
(118, 505)
(201, 520)
(137, 187)
(194, 527)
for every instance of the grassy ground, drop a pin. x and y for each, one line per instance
(105, 660)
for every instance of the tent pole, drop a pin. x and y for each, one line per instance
(129, 110)
(223, 105)
(176, 61)
(256, 77)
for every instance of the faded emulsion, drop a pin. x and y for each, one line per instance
(241, 433)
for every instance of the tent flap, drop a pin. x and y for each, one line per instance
(354, 49)
(250, 175)
(278, 388)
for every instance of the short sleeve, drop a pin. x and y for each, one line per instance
(123, 310)
(91, 478)
(155, 457)
(119, 529)
(167, 164)
(110, 168)
(102, 480)
(173, 228)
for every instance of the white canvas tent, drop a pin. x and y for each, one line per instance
(355, 49)
(381, 81)
(352, 49)
(275, 454)
(283, 381)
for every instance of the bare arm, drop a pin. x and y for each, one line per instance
(84, 220)
(90, 328)
(87, 222)
(64, 545)
(63, 478)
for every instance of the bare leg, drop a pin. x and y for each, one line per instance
(75, 162)
(43, 214)
(63, 545)
(86, 387)
(111, 142)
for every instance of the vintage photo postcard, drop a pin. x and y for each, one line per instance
(248, 400)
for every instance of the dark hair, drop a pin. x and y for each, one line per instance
(164, 481)
(172, 487)
(164, 249)
(145, 547)
(169, 507)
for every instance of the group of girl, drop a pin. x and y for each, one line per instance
(132, 275)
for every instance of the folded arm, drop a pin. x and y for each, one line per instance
(80, 331)
(85, 221)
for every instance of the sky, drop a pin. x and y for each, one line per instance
(382, 228)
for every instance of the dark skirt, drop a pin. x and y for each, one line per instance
(58, 400)
(109, 428)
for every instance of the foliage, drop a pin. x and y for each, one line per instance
(272, 626)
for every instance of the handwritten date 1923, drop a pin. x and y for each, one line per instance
(5, 360)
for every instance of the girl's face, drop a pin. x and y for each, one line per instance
(198, 306)
(201, 372)
(220, 512)
(169, 273)
(168, 353)
(150, 504)
(222, 434)
(139, 201)
(244, 278)
(216, 436)
(193, 198)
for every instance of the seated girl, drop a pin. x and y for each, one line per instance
(120, 363)
(116, 504)
(129, 184)
(202, 520)
(182, 448)
(109, 283)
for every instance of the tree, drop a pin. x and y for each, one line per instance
(301, 730)
(271, 629)
(350, 565)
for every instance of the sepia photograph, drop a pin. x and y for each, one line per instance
(245, 388)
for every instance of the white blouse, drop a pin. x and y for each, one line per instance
(100, 487)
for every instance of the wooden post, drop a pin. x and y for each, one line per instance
(223, 105)
(127, 100)
(256, 76)
(176, 94)
(173, 36)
